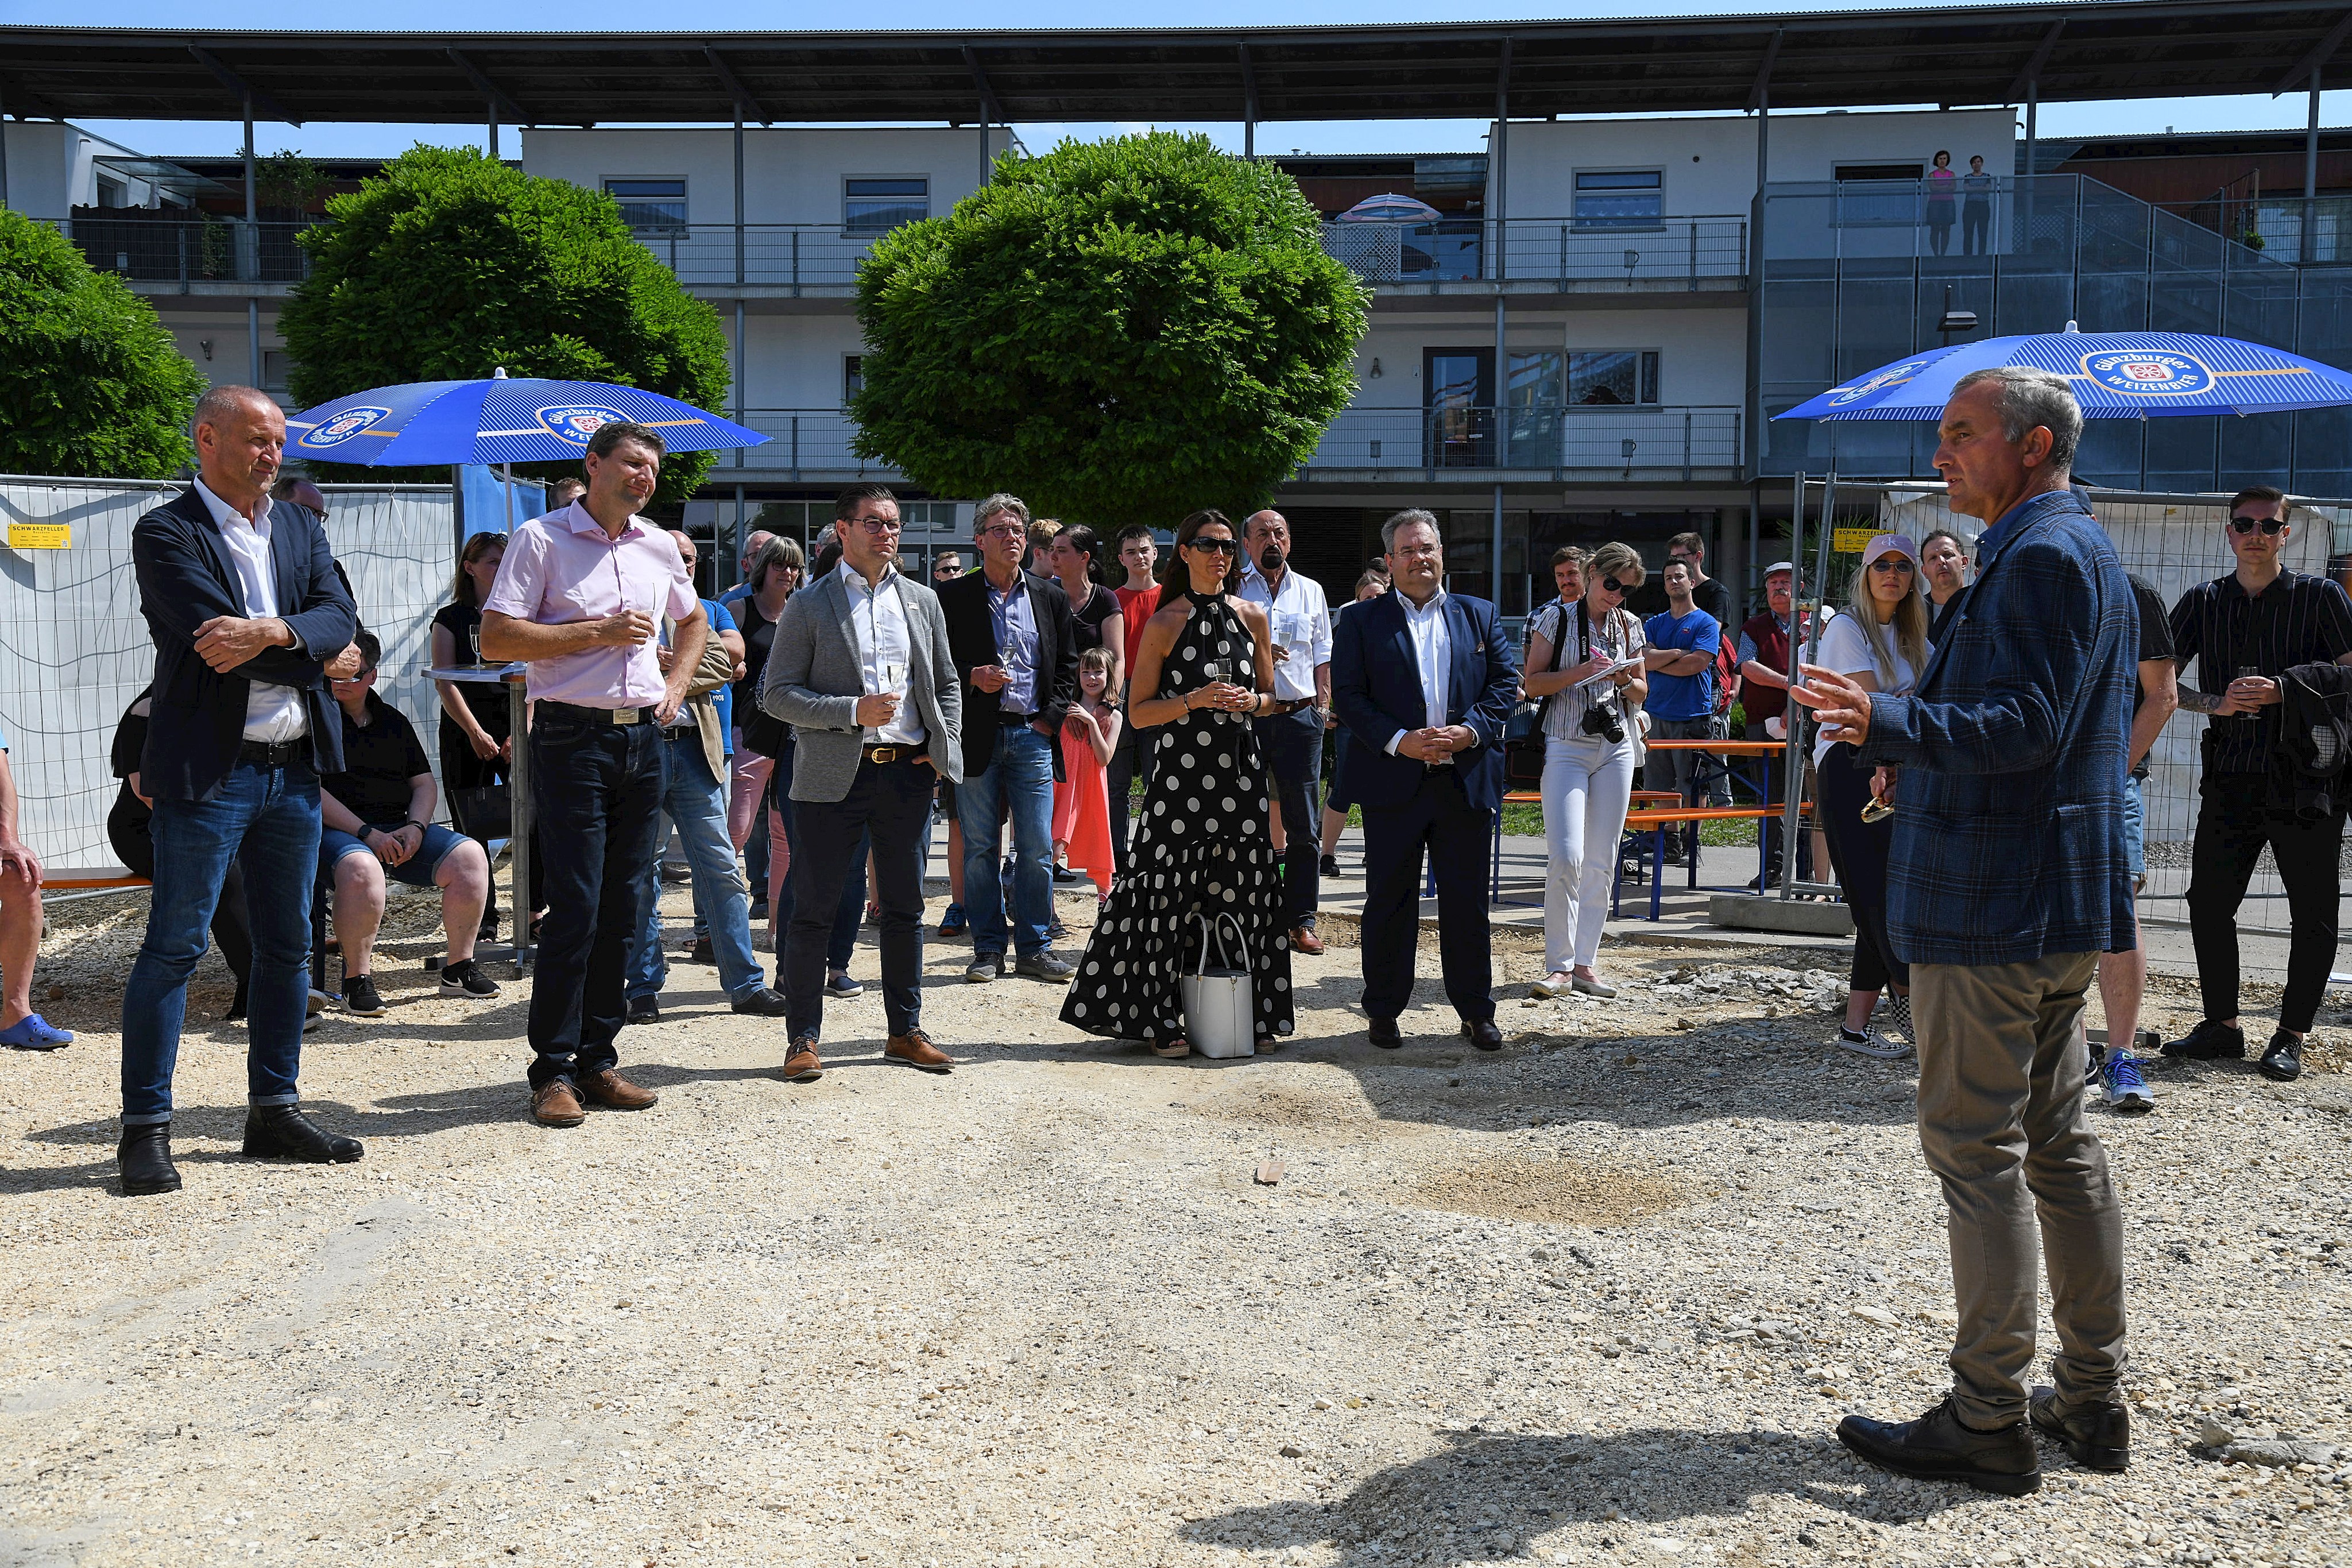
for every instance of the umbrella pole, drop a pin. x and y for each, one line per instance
(509, 469)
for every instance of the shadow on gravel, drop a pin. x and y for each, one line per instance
(1489, 1496)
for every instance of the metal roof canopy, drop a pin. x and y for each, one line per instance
(1982, 53)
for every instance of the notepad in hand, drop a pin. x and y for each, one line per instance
(1633, 662)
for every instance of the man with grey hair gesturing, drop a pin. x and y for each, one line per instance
(2009, 874)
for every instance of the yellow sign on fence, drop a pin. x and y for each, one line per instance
(1849, 542)
(40, 536)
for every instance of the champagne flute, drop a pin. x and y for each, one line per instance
(474, 641)
(1218, 670)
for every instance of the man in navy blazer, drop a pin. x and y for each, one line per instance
(242, 599)
(1424, 680)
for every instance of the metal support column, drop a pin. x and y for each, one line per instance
(1756, 426)
(492, 124)
(741, 368)
(2310, 173)
(250, 258)
(738, 199)
(1499, 200)
(4, 157)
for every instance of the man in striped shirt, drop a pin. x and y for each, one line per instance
(2245, 630)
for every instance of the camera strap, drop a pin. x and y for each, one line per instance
(1584, 649)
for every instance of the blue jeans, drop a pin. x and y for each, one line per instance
(1020, 774)
(596, 790)
(696, 805)
(267, 821)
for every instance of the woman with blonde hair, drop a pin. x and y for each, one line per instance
(1882, 642)
(1584, 664)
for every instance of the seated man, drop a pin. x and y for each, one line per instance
(21, 1029)
(373, 823)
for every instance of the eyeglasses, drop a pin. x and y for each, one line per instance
(1005, 530)
(1896, 563)
(879, 525)
(1613, 585)
(1226, 547)
(2246, 524)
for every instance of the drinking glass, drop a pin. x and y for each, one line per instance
(2244, 670)
(1218, 670)
(474, 641)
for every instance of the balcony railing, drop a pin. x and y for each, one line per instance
(805, 441)
(805, 258)
(1646, 254)
(1650, 443)
(144, 245)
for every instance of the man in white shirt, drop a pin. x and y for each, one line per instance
(241, 596)
(1290, 734)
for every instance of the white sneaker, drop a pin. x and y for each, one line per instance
(1555, 984)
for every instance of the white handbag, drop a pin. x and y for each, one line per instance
(1218, 1018)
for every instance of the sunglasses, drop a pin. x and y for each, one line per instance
(1894, 563)
(2248, 525)
(1613, 585)
(1227, 546)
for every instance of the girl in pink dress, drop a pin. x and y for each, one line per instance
(1081, 805)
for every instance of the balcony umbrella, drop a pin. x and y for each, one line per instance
(497, 419)
(1390, 209)
(2116, 375)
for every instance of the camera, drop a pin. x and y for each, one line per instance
(1600, 718)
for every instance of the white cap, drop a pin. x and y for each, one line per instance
(1788, 566)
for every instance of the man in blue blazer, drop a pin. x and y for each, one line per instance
(1424, 680)
(242, 599)
(2009, 874)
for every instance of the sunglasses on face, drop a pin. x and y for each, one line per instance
(1893, 563)
(2248, 525)
(1613, 585)
(1225, 546)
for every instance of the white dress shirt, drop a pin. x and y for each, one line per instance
(273, 714)
(878, 621)
(1433, 650)
(1300, 620)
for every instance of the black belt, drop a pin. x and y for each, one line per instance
(600, 715)
(891, 753)
(1003, 717)
(270, 753)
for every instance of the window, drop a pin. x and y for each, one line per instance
(113, 193)
(1612, 378)
(877, 207)
(650, 205)
(1619, 198)
(852, 377)
(277, 370)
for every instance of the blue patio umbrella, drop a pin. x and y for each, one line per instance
(2116, 375)
(498, 420)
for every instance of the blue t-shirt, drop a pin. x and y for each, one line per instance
(1683, 696)
(724, 695)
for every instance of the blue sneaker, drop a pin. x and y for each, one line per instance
(33, 1032)
(2127, 1088)
(952, 924)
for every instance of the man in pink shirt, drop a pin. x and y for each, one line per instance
(578, 596)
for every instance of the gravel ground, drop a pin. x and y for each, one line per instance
(1599, 1298)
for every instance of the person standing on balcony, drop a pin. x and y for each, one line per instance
(1942, 185)
(1976, 208)
(2244, 631)
(1014, 647)
(579, 597)
(241, 596)
(2006, 878)
(1290, 729)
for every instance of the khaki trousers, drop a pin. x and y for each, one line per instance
(2001, 1065)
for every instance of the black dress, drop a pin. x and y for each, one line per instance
(1201, 848)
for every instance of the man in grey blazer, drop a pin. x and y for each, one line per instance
(860, 670)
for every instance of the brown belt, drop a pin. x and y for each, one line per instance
(1289, 705)
(892, 753)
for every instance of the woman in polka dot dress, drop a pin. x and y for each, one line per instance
(1201, 846)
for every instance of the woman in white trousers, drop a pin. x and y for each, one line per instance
(1589, 750)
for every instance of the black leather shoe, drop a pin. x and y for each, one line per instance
(2283, 1059)
(2209, 1041)
(762, 1003)
(144, 1158)
(644, 1009)
(1938, 1448)
(282, 1132)
(1482, 1033)
(2098, 1438)
(1385, 1034)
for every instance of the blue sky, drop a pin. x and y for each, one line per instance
(191, 137)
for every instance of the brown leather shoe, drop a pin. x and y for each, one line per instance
(802, 1066)
(1304, 940)
(915, 1048)
(555, 1105)
(614, 1092)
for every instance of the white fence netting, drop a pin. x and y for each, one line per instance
(75, 652)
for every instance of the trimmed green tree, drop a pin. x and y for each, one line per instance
(449, 265)
(1120, 331)
(92, 385)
